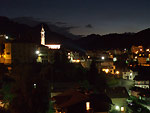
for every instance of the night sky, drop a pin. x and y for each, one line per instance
(84, 16)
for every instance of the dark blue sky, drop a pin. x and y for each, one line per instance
(85, 16)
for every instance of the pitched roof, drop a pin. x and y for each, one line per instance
(117, 92)
(69, 97)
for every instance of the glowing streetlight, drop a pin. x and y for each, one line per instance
(102, 57)
(34, 85)
(37, 52)
(114, 59)
(6, 37)
(117, 108)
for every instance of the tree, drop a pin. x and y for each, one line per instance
(3, 71)
(30, 88)
(92, 73)
(97, 80)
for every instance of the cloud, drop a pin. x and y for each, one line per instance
(65, 30)
(89, 26)
(68, 28)
(59, 27)
(60, 23)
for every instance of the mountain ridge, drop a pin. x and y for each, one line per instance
(90, 42)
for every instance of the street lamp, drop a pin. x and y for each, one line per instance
(37, 52)
(102, 57)
(117, 108)
(6, 37)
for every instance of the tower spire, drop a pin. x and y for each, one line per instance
(42, 36)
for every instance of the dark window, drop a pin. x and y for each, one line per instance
(8, 53)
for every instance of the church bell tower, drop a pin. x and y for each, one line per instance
(42, 36)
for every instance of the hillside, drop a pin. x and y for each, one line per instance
(28, 33)
(125, 40)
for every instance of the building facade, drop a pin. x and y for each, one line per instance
(19, 53)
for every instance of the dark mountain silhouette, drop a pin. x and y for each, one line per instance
(28, 33)
(125, 40)
(58, 27)
(30, 21)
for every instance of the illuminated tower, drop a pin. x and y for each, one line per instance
(42, 36)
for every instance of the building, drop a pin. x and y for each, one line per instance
(50, 46)
(18, 52)
(45, 52)
(137, 49)
(97, 55)
(142, 61)
(129, 74)
(115, 51)
(75, 101)
(74, 57)
(42, 54)
(107, 66)
(143, 78)
(140, 93)
(142, 83)
(118, 95)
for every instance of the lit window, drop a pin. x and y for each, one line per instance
(147, 59)
(87, 106)
(138, 83)
(147, 50)
(1, 104)
(75, 61)
(122, 108)
(69, 57)
(117, 72)
(107, 70)
(136, 52)
(55, 46)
